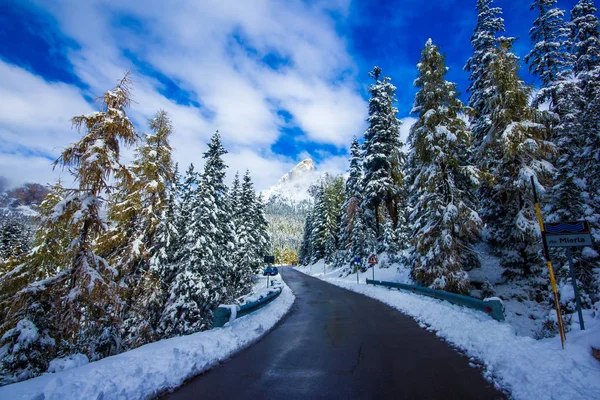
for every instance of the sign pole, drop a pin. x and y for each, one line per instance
(538, 212)
(373, 271)
(357, 269)
(575, 288)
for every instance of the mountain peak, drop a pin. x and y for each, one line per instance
(294, 185)
(303, 167)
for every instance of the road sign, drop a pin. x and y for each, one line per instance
(269, 259)
(356, 260)
(373, 259)
(568, 234)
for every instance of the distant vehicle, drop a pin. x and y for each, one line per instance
(272, 271)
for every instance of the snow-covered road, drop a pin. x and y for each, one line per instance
(336, 344)
(528, 368)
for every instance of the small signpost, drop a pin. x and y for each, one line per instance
(269, 260)
(373, 261)
(570, 234)
(562, 234)
(357, 266)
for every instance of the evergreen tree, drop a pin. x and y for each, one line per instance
(14, 238)
(585, 42)
(353, 196)
(517, 149)
(84, 296)
(137, 213)
(445, 220)
(549, 58)
(167, 236)
(489, 24)
(381, 145)
(305, 254)
(261, 227)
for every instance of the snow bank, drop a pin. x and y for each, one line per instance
(528, 368)
(150, 369)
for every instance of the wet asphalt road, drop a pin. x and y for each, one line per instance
(336, 344)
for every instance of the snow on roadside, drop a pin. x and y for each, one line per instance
(528, 368)
(153, 368)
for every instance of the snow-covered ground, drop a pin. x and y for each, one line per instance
(527, 368)
(156, 367)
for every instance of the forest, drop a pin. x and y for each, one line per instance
(465, 181)
(129, 254)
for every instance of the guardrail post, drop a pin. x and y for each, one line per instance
(221, 316)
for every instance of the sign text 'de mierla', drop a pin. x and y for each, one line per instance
(568, 234)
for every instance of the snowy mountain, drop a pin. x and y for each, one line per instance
(293, 186)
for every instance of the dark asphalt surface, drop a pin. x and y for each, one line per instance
(336, 344)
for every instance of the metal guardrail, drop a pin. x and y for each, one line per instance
(222, 314)
(494, 308)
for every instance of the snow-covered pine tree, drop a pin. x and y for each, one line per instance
(51, 238)
(549, 59)
(362, 239)
(261, 227)
(90, 313)
(203, 276)
(213, 185)
(353, 196)
(483, 41)
(84, 297)
(585, 41)
(319, 233)
(136, 214)
(305, 254)
(167, 237)
(192, 289)
(381, 147)
(446, 222)
(248, 242)
(326, 219)
(14, 238)
(517, 148)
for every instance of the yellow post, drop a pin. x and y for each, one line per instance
(561, 327)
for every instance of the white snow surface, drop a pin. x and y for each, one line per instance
(521, 365)
(157, 367)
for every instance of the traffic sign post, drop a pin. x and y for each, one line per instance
(357, 267)
(570, 234)
(269, 260)
(373, 261)
(561, 327)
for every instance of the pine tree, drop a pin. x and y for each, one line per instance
(167, 237)
(84, 296)
(136, 214)
(444, 213)
(489, 24)
(14, 238)
(319, 233)
(264, 242)
(585, 42)
(305, 254)
(381, 147)
(90, 312)
(549, 58)
(353, 195)
(516, 150)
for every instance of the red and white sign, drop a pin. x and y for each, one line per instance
(373, 259)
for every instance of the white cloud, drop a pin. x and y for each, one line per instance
(212, 49)
(407, 123)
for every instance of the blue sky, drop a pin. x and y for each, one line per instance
(281, 80)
